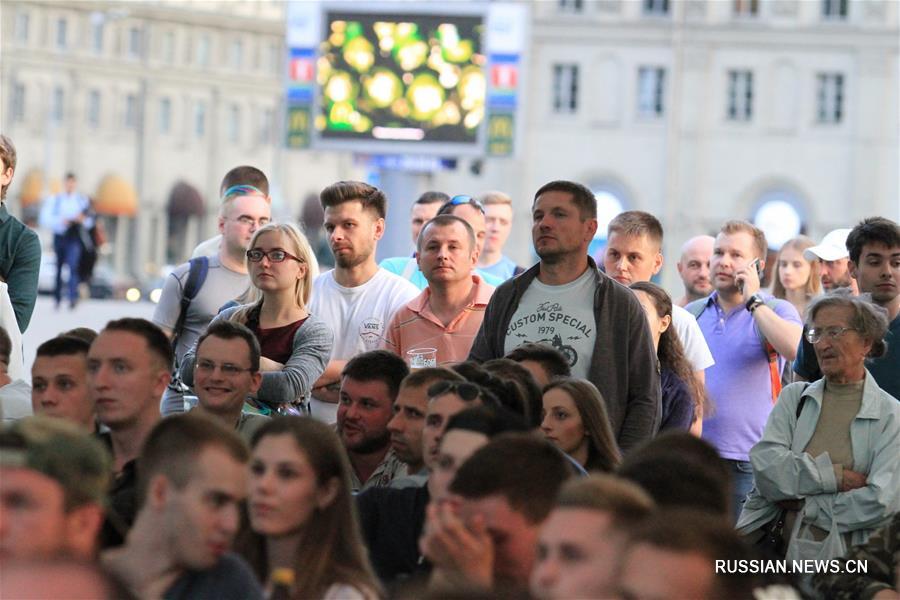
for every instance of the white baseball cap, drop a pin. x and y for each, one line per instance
(833, 247)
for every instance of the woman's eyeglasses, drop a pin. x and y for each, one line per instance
(276, 256)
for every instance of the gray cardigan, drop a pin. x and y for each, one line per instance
(623, 366)
(312, 351)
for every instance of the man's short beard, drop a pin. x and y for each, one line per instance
(348, 262)
(697, 293)
(551, 257)
(371, 445)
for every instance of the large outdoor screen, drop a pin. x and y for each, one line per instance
(397, 80)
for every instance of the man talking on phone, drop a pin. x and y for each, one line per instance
(750, 335)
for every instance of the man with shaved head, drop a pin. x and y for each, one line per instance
(693, 268)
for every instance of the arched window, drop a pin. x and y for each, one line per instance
(779, 213)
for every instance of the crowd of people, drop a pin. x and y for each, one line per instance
(450, 424)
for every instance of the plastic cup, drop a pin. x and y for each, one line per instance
(421, 358)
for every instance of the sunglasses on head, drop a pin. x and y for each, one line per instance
(464, 199)
(465, 390)
(241, 190)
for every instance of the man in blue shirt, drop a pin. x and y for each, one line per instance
(65, 214)
(746, 331)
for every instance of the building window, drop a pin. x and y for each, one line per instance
(168, 49)
(134, 42)
(651, 86)
(746, 8)
(22, 27)
(203, 50)
(571, 6)
(93, 109)
(266, 127)
(830, 97)
(200, 119)
(740, 95)
(237, 54)
(97, 30)
(834, 9)
(656, 7)
(565, 88)
(18, 103)
(58, 105)
(234, 123)
(165, 116)
(275, 58)
(61, 33)
(131, 111)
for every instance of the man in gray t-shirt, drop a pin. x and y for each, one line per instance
(226, 279)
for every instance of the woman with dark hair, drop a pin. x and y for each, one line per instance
(301, 514)
(683, 396)
(575, 421)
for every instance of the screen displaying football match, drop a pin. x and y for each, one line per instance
(401, 79)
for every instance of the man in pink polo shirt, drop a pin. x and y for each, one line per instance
(448, 313)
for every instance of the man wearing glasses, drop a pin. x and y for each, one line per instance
(226, 372)
(244, 209)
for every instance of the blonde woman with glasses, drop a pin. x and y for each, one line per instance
(295, 345)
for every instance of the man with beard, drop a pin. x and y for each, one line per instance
(835, 259)
(566, 302)
(693, 268)
(370, 383)
(357, 299)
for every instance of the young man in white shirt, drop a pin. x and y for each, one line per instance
(358, 298)
(633, 253)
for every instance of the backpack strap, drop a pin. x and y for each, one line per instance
(198, 268)
(802, 402)
(697, 307)
(771, 354)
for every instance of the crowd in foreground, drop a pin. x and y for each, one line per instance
(449, 424)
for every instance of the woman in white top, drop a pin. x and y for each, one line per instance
(302, 515)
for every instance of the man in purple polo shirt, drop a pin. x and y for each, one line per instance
(735, 319)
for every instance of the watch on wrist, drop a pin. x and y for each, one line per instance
(754, 302)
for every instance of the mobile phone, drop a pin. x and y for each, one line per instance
(759, 272)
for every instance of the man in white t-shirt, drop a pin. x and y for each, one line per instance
(633, 253)
(357, 299)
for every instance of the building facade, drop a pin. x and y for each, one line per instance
(694, 110)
